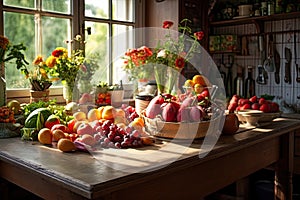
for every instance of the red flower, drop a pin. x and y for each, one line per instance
(57, 53)
(167, 24)
(199, 35)
(179, 62)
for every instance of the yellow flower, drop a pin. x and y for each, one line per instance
(51, 61)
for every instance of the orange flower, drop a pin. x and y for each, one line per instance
(51, 61)
(38, 60)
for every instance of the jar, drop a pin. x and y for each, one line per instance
(141, 102)
(271, 8)
(264, 8)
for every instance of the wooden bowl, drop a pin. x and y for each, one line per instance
(254, 117)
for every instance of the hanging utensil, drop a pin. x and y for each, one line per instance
(269, 62)
(295, 57)
(288, 57)
(277, 65)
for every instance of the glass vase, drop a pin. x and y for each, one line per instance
(160, 73)
(172, 81)
(70, 92)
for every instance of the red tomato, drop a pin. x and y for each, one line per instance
(71, 124)
(265, 107)
(51, 121)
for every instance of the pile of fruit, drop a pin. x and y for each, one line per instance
(237, 103)
(103, 127)
(185, 108)
(196, 84)
(6, 115)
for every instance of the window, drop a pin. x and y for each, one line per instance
(42, 25)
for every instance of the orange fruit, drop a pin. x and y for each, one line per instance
(200, 79)
(45, 136)
(66, 145)
(198, 88)
(189, 83)
(100, 109)
(93, 114)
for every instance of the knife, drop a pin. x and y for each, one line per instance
(295, 57)
(288, 57)
(277, 66)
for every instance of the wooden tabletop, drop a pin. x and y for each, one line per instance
(103, 173)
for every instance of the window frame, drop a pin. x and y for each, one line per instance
(77, 18)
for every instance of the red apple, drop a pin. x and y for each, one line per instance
(62, 127)
(85, 128)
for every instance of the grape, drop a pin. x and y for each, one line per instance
(97, 137)
(118, 145)
(111, 136)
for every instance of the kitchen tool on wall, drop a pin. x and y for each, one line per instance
(269, 62)
(260, 79)
(277, 65)
(288, 57)
(229, 80)
(245, 51)
(295, 58)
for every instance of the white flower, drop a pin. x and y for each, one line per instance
(162, 54)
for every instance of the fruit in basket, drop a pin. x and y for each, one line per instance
(154, 107)
(169, 112)
(196, 114)
(237, 104)
(200, 79)
(183, 114)
(66, 145)
(45, 136)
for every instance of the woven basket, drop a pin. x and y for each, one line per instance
(179, 130)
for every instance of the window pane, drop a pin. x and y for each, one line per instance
(122, 40)
(20, 3)
(55, 36)
(123, 10)
(97, 8)
(60, 6)
(19, 28)
(97, 55)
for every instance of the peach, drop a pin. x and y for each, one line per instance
(66, 145)
(109, 112)
(57, 135)
(45, 136)
(79, 116)
(87, 139)
(93, 114)
(77, 124)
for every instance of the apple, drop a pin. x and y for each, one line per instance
(85, 128)
(62, 127)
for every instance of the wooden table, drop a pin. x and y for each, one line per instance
(52, 174)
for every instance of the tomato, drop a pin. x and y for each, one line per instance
(51, 121)
(265, 107)
(71, 124)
